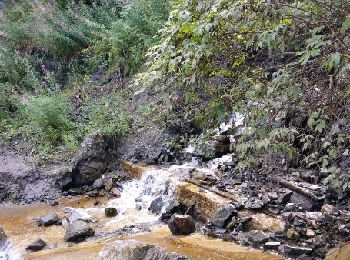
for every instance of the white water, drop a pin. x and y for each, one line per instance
(8, 251)
(140, 193)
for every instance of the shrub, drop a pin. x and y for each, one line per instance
(107, 114)
(49, 123)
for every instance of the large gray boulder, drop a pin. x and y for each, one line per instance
(133, 250)
(78, 231)
(92, 159)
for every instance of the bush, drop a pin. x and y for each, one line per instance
(107, 114)
(49, 123)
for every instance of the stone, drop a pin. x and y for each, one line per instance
(115, 192)
(310, 233)
(134, 250)
(292, 234)
(327, 208)
(36, 246)
(76, 191)
(284, 197)
(111, 212)
(206, 204)
(254, 204)
(181, 225)
(3, 236)
(272, 245)
(296, 174)
(257, 237)
(48, 219)
(156, 206)
(92, 158)
(204, 176)
(297, 251)
(98, 184)
(78, 231)
(263, 222)
(291, 207)
(73, 215)
(223, 216)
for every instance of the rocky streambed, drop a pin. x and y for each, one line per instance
(87, 228)
(196, 211)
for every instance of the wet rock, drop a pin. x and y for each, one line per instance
(292, 234)
(254, 203)
(272, 245)
(223, 216)
(157, 206)
(75, 191)
(181, 225)
(36, 246)
(3, 236)
(206, 204)
(254, 237)
(73, 215)
(133, 170)
(133, 250)
(264, 222)
(327, 208)
(204, 176)
(291, 207)
(111, 212)
(92, 159)
(98, 184)
(297, 251)
(78, 231)
(115, 192)
(310, 233)
(284, 197)
(48, 219)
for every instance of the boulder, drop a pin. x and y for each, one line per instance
(157, 206)
(206, 204)
(224, 215)
(78, 231)
(111, 212)
(92, 159)
(36, 246)
(133, 250)
(181, 225)
(48, 219)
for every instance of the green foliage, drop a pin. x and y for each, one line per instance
(49, 49)
(49, 122)
(279, 64)
(107, 114)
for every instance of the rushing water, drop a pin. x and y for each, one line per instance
(136, 198)
(8, 251)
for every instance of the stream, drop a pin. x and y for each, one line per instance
(134, 221)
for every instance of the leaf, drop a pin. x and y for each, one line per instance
(345, 25)
(320, 126)
(333, 61)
